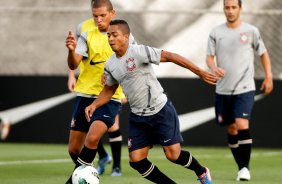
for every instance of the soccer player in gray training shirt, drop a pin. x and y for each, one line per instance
(153, 117)
(233, 45)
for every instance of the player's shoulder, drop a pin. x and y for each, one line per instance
(93, 33)
(136, 49)
(218, 28)
(245, 24)
(249, 26)
(135, 46)
(86, 25)
(89, 21)
(111, 59)
(132, 39)
(111, 62)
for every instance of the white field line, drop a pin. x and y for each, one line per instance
(54, 161)
(22, 162)
(254, 155)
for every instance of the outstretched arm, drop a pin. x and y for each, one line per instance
(73, 58)
(267, 85)
(219, 72)
(104, 97)
(185, 63)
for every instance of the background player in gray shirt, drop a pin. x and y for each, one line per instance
(230, 55)
(153, 118)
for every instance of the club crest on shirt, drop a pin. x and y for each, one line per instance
(244, 37)
(130, 65)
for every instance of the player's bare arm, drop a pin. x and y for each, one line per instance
(219, 72)
(71, 81)
(104, 97)
(185, 63)
(73, 58)
(267, 85)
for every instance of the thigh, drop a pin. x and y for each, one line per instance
(107, 113)
(243, 105)
(79, 122)
(224, 110)
(166, 128)
(96, 131)
(140, 133)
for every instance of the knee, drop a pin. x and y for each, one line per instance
(92, 140)
(172, 156)
(242, 124)
(232, 129)
(172, 153)
(74, 150)
(74, 154)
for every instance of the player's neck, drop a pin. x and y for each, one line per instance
(233, 25)
(121, 52)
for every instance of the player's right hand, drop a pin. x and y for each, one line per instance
(89, 110)
(208, 77)
(219, 72)
(71, 41)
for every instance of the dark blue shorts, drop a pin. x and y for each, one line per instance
(230, 107)
(105, 113)
(161, 128)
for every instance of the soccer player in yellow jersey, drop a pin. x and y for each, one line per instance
(115, 137)
(90, 52)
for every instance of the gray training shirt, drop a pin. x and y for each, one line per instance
(135, 74)
(234, 50)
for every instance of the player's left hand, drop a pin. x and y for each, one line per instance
(267, 86)
(208, 77)
(89, 110)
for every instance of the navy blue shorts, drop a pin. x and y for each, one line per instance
(105, 113)
(230, 107)
(161, 128)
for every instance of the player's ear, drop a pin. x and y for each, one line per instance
(113, 13)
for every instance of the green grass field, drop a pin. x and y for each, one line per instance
(50, 164)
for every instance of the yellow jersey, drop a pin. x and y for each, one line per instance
(92, 67)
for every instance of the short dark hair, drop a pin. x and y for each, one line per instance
(239, 3)
(122, 24)
(100, 3)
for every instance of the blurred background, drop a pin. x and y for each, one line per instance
(33, 74)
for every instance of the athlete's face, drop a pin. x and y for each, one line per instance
(117, 40)
(102, 17)
(232, 10)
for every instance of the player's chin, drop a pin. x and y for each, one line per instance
(102, 28)
(114, 48)
(231, 19)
